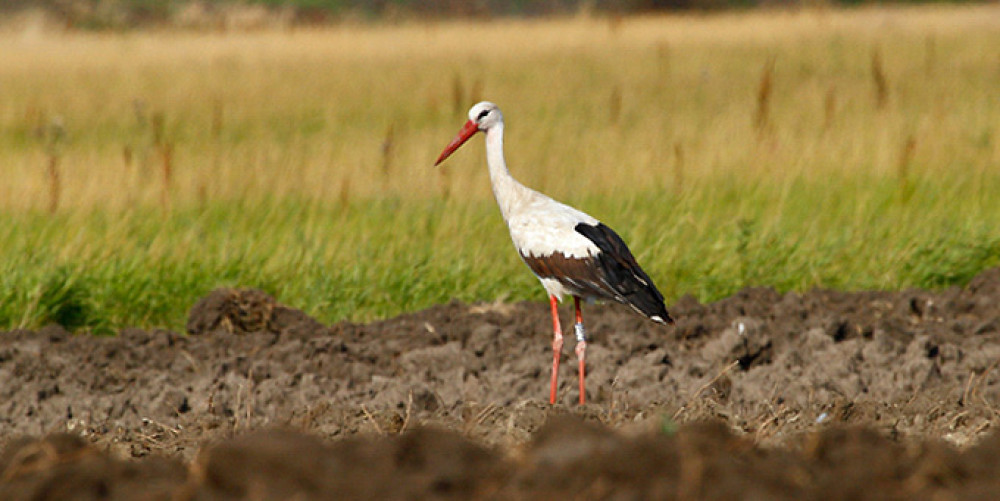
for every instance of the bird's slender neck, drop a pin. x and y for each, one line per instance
(506, 189)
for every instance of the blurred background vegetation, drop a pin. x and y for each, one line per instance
(791, 148)
(227, 14)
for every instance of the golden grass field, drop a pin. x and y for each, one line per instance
(702, 138)
(593, 105)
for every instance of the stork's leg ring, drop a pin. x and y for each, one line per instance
(557, 344)
(581, 349)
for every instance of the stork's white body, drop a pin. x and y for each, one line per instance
(539, 226)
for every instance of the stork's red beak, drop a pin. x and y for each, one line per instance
(468, 130)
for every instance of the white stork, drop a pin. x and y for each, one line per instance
(569, 251)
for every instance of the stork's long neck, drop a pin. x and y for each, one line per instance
(506, 189)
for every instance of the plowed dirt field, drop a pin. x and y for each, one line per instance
(821, 395)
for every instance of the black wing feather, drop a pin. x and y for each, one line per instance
(622, 274)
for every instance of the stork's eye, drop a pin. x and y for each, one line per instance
(483, 114)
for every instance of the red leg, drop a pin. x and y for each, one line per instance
(557, 343)
(581, 348)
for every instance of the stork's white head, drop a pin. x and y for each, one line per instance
(485, 114)
(482, 117)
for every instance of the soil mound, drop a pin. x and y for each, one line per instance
(566, 457)
(241, 311)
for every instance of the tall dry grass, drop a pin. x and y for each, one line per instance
(299, 113)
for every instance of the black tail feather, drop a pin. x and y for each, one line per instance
(624, 280)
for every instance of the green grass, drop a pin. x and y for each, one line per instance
(280, 180)
(377, 258)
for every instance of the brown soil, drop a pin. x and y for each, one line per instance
(822, 395)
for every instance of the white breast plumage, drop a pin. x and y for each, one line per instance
(547, 227)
